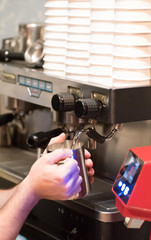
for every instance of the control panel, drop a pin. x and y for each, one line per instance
(132, 185)
(35, 83)
(106, 104)
(35, 86)
(127, 177)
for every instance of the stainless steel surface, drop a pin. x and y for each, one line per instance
(7, 44)
(15, 163)
(14, 44)
(119, 105)
(34, 54)
(109, 156)
(17, 44)
(5, 136)
(31, 32)
(78, 155)
(34, 32)
(99, 204)
(26, 114)
(122, 104)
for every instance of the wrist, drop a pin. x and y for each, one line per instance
(28, 192)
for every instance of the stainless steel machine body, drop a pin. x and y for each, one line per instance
(27, 93)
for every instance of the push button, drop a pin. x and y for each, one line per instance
(22, 80)
(48, 86)
(35, 83)
(42, 85)
(28, 81)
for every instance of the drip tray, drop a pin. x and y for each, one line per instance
(101, 200)
(99, 204)
(15, 163)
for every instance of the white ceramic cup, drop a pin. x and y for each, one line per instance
(132, 63)
(133, 4)
(131, 75)
(128, 51)
(132, 39)
(55, 73)
(100, 80)
(132, 16)
(123, 84)
(56, 4)
(55, 51)
(54, 12)
(132, 27)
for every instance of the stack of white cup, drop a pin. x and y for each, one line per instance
(132, 43)
(103, 42)
(55, 37)
(78, 33)
(101, 38)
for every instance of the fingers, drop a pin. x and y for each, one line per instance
(70, 167)
(74, 185)
(87, 153)
(91, 179)
(71, 179)
(76, 190)
(58, 139)
(88, 163)
(58, 155)
(90, 170)
(91, 173)
(74, 181)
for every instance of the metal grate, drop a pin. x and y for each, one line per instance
(101, 200)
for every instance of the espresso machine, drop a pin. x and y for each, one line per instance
(34, 108)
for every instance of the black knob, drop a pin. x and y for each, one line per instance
(63, 102)
(87, 108)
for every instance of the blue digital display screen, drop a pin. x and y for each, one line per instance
(20, 237)
(127, 176)
(131, 170)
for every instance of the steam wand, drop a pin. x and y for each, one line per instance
(91, 132)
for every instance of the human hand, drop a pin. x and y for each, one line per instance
(49, 180)
(88, 161)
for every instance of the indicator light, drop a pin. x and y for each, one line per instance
(123, 187)
(120, 183)
(126, 191)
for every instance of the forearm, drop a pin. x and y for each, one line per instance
(5, 195)
(15, 211)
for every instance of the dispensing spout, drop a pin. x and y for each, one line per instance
(91, 132)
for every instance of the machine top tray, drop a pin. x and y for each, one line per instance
(127, 104)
